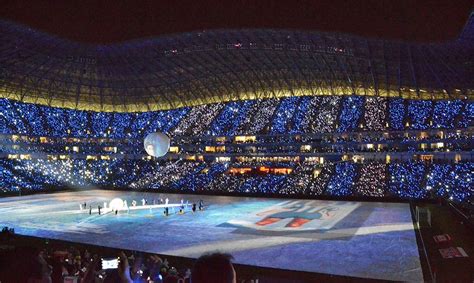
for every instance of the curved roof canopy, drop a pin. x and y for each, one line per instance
(224, 65)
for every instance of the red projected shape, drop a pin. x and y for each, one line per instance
(297, 222)
(267, 221)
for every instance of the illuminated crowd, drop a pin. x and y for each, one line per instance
(403, 180)
(375, 113)
(198, 119)
(351, 112)
(287, 115)
(282, 117)
(322, 114)
(278, 121)
(260, 116)
(371, 175)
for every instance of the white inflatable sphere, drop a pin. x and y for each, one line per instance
(116, 204)
(157, 144)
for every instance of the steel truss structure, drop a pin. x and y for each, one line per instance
(225, 65)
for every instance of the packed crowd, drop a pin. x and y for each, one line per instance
(280, 121)
(419, 113)
(229, 119)
(284, 114)
(403, 180)
(198, 119)
(374, 114)
(261, 114)
(277, 116)
(351, 112)
(322, 114)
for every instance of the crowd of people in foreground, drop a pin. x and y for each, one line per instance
(73, 265)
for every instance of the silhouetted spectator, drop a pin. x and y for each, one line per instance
(214, 268)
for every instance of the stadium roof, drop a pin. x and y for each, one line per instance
(224, 65)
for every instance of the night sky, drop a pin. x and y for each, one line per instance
(118, 20)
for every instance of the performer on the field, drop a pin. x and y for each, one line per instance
(166, 212)
(201, 204)
(98, 208)
(126, 206)
(90, 209)
(194, 207)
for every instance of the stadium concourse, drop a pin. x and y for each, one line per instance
(347, 142)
